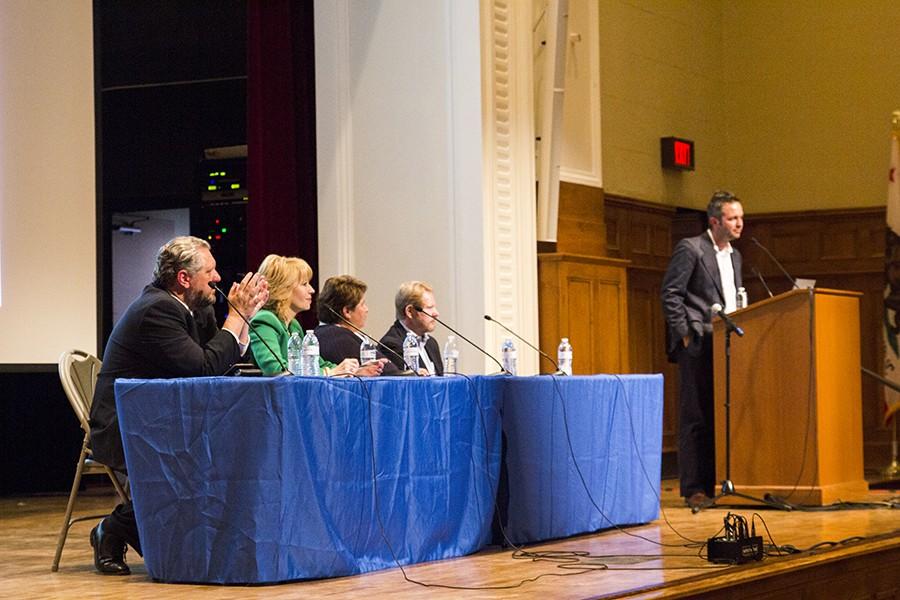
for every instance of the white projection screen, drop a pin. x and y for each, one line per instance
(48, 279)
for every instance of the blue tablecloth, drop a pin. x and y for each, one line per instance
(614, 433)
(266, 480)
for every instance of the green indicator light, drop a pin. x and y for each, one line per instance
(235, 186)
(222, 173)
(224, 230)
(211, 188)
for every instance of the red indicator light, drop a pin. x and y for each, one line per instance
(682, 153)
(677, 153)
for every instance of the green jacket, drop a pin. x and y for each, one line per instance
(271, 329)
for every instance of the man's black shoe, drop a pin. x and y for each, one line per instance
(698, 501)
(109, 553)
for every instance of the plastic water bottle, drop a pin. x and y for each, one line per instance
(367, 351)
(564, 356)
(508, 356)
(411, 351)
(294, 351)
(451, 355)
(741, 298)
(309, 356)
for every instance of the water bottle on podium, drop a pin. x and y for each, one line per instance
(367, 350)
(451, 355)
(309, 357)
(564, 356)
(508, 356)
(411, 351)
(294, 351)
(741, 298)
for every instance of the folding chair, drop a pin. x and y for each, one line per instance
(78, 374)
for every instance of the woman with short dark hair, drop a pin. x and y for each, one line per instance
(343, 311)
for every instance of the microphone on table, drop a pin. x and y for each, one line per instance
(762, 281)
(358, 330)
(720, 312)
(477, 347)
(778, 264)
(283, 366)
(529, 344)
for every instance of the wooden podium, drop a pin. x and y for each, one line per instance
(796, 407)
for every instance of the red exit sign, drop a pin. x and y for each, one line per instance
(677, 153)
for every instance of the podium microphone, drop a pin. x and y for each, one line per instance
(477, 347)
(762, 281)
(527, 343)
(283, 366)
(731, 325)
(382, 346)
(778, 264)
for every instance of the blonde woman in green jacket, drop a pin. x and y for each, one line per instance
(289, 293)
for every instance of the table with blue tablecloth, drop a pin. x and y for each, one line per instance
(276, 479)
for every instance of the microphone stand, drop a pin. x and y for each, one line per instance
(479, 348)
(777, 263)
(529, 344)
(361, 332)
(727, 484)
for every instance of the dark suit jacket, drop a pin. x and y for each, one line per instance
(337, 343)
(156, 338)
(690, 286)
(393, 339)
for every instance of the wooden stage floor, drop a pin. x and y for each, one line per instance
(622, 564)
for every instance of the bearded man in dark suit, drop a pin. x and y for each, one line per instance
(168, 331)
(704, 270)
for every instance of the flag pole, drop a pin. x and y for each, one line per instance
(892, 471)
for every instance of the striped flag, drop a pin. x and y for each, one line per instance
(892, 277)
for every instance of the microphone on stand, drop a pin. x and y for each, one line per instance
(382, 346)
(477, 347)
(283, 366)
(529, 344)
(762, 281)
(775, 260)
(720, 312)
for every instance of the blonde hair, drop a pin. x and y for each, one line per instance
(283, 273)
(410, 292)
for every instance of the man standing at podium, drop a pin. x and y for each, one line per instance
(704, 270)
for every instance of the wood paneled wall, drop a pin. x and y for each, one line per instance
(841, 249)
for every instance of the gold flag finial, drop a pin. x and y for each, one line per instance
(895, 121)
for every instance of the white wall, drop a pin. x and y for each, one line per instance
(47, 193)
(398, 101)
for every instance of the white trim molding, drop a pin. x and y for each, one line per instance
(510, 242)
(584, 43)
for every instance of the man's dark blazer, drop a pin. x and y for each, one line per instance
(156, 338)
(690, 286)
(337, 343)
(393, 339)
